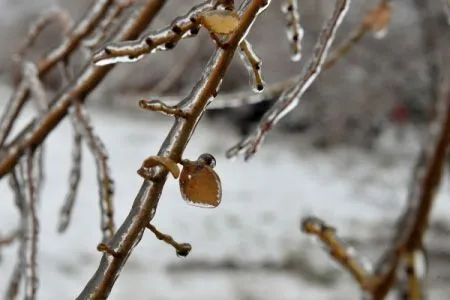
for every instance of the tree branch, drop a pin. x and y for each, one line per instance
(146, 201)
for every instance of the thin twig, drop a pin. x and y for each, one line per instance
(74, 180)
(104, 179)
(182, 249)
(54, 14)
(290, 98)
(16, 185)
(107, 24)
(31, 228)
(144, 206)
(337, 249)
(164, 39)
(294, 30)
(253, 64)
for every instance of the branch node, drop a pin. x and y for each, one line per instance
(102, 247)
(159, 106)
(182, 249)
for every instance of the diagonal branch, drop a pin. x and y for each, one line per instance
(146, 201)
(290, 98)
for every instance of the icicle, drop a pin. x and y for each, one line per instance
(253, 65)
(294, 31)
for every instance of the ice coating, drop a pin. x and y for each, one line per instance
(253, 65)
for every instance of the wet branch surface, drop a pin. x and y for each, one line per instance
(146, 201)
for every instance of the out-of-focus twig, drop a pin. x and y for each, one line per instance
(407, 248)
(104, 178)
(337, 249)
(54, 14)
(289, 99)
(31, 227)
(74, 180)
(294, 30)
(37, 130)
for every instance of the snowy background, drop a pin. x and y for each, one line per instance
(250, 247)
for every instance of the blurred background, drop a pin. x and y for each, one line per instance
(345, 154)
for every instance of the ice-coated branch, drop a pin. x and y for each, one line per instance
(406, 255)
(182, 249)
(37, 130)
(345, 255)
(290, 98)
(74, 180)
(164, 39)
(68, 45)
(422, 190)
(253, 65)
(104, 179)
(30, 226)
(159, 106)
(379, 19)
(294, 30)
(412, 272)
(146, 201)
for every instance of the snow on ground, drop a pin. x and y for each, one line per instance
(248, 248)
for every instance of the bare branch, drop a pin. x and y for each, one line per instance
(156, 105)
(291, 97)
(54, 14)
(337, 249)
(31, 227)
(30, 74)
(413, 271)
(106, 185)
(294, 31)
(107, 24)
(74, 180)
(253, 64)
(182, 249)
(167, 38)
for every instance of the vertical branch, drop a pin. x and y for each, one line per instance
(294, 30)
(105, 182)
(30, 226)
(16, 185)
(253, 64)
(74, 180)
